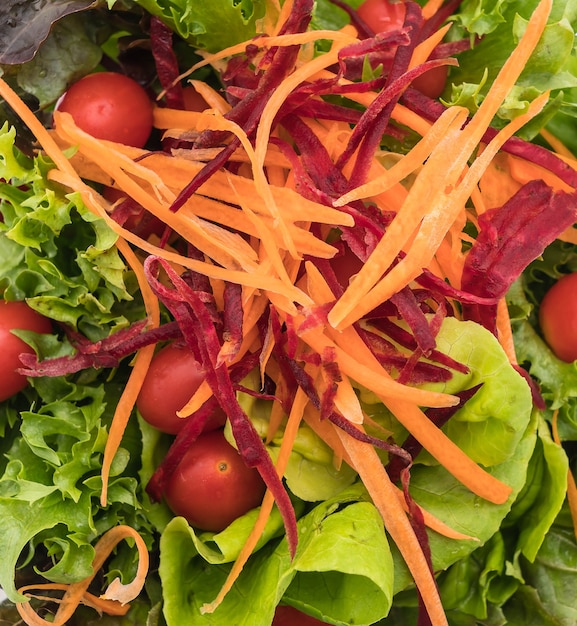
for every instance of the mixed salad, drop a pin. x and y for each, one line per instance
(288, 309)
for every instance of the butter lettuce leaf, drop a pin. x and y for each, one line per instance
(322, 575)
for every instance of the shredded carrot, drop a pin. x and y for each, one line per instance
(423, 51)
(130, 392)
(367, 463)
(76, 593)
(431, 7)
(504, 331)
(557, 145)
(254, 230)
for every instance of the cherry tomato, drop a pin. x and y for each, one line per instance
(110, 106)
(212, 486)
(558, 318)
(384, 15)
(173, 376)
(286, 615)
(16, 315)
(193, 101)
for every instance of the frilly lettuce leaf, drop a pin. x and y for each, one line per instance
(56, 254)
(551, 67)
(211, 26)
(51, 477)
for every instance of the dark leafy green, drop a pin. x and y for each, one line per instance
(24, 25)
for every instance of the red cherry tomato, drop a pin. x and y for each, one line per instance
(16, 315)
(382, 15)
(212, 486)
(385, 15)
(110, 106)
(558, 318)
(193, 101)
(173, 376)
(289, 616)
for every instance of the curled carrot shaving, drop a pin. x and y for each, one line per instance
(115, 598)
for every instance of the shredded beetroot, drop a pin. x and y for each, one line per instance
(232, 317)
(199, 332)
(509, 238)
(101, 354)
(248, 111)
(166, 62)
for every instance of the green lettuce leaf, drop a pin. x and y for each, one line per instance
(212, 26)
(51, 482)
(322, 579)
(57, 255)
(552, 66)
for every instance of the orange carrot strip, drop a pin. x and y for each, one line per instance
(412, 161)
(557, 145)
(504, 331)
(130, 392)
(431, 7)
(423, 50)
(367, 463)
(110, 607)
(117, 592)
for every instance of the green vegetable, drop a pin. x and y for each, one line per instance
(500, 24)
(322, 577)
(211, 26)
